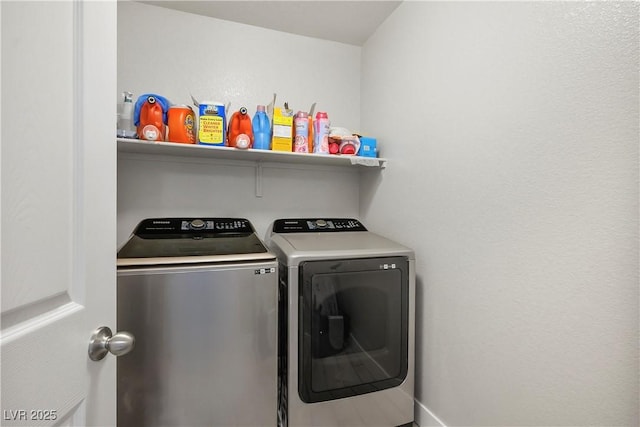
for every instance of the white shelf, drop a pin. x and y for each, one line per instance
(258, 156)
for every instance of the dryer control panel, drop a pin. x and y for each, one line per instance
(315, 225)
(188, 227)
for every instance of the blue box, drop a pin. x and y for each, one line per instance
(368, 147)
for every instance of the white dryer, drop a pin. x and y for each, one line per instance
(346, 340)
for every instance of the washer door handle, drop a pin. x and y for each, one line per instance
(102, 342)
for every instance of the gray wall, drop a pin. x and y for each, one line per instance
(512, 136)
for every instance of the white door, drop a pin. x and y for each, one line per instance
(58, 210)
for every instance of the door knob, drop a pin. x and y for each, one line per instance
(102, 342)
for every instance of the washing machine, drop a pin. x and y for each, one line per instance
(200, 296)
(346, 329)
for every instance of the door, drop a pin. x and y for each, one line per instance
(354, 315)
(58, 210)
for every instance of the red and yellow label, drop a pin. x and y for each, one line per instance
(211, 130)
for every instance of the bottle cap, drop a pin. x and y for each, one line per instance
(348, 149)
(243, 141)
(321, 115)
(333, 148)
(151, 133)
(261, 108)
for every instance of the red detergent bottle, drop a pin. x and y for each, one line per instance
(240, 132)
(151, 125)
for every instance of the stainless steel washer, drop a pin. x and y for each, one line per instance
(346, 344)
(200, 296)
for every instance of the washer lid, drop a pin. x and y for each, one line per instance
(191, 240)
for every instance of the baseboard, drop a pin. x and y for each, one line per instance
(425, 418)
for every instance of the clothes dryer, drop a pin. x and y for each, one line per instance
(346, 334)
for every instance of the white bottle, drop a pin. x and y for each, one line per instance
(126, 129)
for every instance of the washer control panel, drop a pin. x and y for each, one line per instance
(315, 225)
(189, 227)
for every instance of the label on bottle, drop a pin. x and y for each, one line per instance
(321, 142)
(300, 141)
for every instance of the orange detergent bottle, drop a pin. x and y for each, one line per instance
(240, 132)
(151, 124)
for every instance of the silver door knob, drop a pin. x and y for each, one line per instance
(102, 342)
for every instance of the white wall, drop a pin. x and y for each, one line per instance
(512, 136)
(174, 54)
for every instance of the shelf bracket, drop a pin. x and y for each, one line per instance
(258, 179)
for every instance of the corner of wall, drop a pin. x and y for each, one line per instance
(425, 418)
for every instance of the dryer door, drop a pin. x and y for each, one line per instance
(354, 317)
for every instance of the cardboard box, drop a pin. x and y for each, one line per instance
(282, 139)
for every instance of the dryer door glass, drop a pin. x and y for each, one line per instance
(354, 334)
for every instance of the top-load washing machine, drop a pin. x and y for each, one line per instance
(200, 296)
(346, 340)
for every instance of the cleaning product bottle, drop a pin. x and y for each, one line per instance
(150, 117)
(301, 133)
(321, 133)
(240, 133)
(126, 129)
(261, 129)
